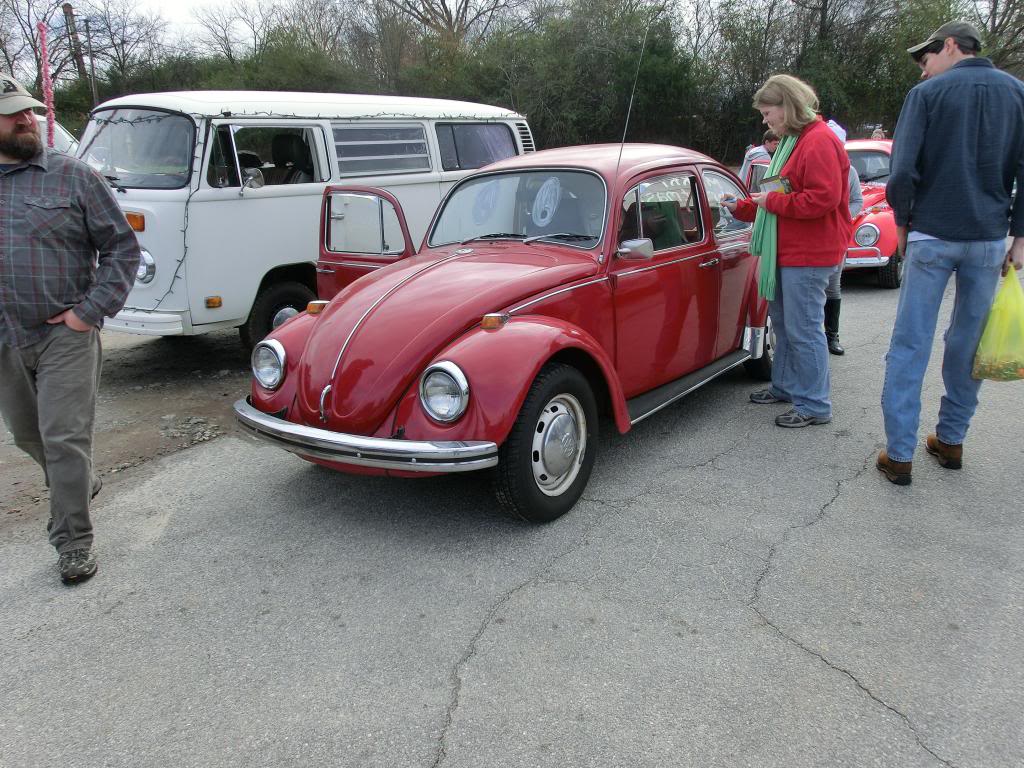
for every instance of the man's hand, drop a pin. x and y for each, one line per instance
(901, 242)
(70, 319)
(1015, 255)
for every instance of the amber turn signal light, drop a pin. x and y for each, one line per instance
(316, 307)
(214, 302)
(493, 321)
(137, 221)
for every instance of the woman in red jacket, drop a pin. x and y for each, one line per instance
(801, 228)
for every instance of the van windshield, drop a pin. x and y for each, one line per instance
(555, 205)
(139, 148)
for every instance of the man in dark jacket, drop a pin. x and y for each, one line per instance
(958, 147)
(67, 259)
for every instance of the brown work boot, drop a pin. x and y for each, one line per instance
(895, 471)
(949, 456)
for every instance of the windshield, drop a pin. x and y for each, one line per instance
(139, 147)
(62, 140)
(870, 166)
(555, 205)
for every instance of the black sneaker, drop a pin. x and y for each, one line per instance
(77, 565)
(765, 396)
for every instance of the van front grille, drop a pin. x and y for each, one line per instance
(526, 137)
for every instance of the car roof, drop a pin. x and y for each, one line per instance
(877, 145)
(309, 105)
(606, 159)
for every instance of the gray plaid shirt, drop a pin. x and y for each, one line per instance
(64, 244)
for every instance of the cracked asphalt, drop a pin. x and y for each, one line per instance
(726, 594)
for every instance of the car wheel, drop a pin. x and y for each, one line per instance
(545, 463)
(891, 275)
(761, 368)
(274, 304)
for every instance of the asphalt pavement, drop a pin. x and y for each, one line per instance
(727, 593)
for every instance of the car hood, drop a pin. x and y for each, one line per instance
(873, 194)
(387, 326)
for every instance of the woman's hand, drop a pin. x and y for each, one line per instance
(729, 202)
(759, 199)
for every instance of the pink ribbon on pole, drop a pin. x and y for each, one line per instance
(47, 83)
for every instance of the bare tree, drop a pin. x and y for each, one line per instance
(455, 21)
(22, 44)
(1003, 22)
(387, 40)
(321, 24)
(122, 36)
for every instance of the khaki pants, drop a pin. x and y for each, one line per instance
(48, 400)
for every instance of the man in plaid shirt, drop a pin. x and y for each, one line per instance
(68, 258)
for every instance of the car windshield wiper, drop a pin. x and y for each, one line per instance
(494, 236)
(113, 182)
(560, 236)
(876, 177)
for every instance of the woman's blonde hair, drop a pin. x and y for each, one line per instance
(797, 98)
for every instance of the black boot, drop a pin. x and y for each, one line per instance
(832, 326)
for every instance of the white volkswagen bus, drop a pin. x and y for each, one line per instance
(224, 190)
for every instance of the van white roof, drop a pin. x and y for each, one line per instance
(309, 105)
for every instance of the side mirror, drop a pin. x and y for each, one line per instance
(636, 250)
(252, 178)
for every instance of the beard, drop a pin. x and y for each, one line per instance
(21, 143)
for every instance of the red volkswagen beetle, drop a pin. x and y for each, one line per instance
(873, 243)
(550, 288)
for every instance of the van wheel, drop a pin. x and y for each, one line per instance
(274, 304)
(545, 463)
(761, 368)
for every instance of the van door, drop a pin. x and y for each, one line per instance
(252, 224)
(363, 230)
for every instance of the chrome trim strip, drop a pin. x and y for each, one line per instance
(733, 247)
(383, 453)
(379, 301)
(753, 341)
(683, 394)
(663, 264)
(531, 302)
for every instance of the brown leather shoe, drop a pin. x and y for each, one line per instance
(895, 471)
(949, 456)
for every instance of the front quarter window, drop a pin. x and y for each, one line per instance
(140, 148)
(566, 206)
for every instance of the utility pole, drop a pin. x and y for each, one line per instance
(76, 45)
(92, 63)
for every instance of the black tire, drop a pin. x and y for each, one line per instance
(891, 275)
(559, 398)
(761, 368)
(269, 303)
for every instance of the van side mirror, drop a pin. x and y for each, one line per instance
(252, 178)
(636, 250)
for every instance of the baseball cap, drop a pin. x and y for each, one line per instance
(962, 31)
(14, 98)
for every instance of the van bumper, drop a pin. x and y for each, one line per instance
(146, 323)
(380, 452)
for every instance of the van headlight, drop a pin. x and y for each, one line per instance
(268, 360)
(866, 235)
(147, 268)
(444, 391)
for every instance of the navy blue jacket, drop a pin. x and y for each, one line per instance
(958, 147)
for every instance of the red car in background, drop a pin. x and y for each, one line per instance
(550, 287)
(873, 244)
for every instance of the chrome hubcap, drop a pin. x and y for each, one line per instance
(559, 444)
(285, 313)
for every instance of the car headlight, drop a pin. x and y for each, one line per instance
(268, 360)
(147, 268)
(866, 235)
(444, 391)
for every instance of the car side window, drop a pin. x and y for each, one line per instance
(363, 223)
(716, 185)
(665, 210)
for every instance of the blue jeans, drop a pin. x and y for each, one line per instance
(800, 370)
(929, 264)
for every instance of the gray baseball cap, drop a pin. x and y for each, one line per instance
(14, 98)
(962, 31)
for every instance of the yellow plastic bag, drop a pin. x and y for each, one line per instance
(1000, 355)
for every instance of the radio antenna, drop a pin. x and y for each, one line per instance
(636, 79)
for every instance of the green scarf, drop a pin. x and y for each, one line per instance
(764, 241)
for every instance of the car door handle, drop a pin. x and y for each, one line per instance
(708, 263)
(323, 271)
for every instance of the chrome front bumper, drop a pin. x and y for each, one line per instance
(865, 257)
(379, 452)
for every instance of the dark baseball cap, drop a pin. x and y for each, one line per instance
(963, 32)
(14, 98)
